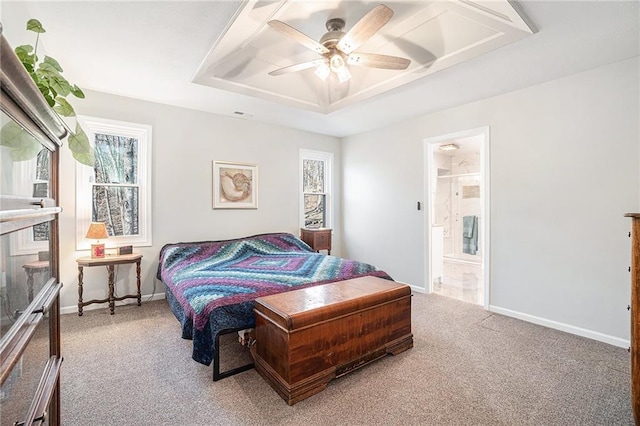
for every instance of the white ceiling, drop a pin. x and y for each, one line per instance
(433, 35)
(153, 50)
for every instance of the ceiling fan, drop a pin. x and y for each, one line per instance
(338, 48)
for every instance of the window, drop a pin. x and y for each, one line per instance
(117, 190)
(315, 176)
(31, 178)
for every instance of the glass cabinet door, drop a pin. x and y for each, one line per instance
(22, 383)
(25, 271)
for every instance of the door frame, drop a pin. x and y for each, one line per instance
(485, 173)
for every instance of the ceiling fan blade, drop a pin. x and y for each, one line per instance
(374, 60)
(367, 26)
(296, 35)
(297, 67)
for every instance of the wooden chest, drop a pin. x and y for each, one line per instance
(305, 338)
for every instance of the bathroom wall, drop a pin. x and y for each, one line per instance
(457, 196)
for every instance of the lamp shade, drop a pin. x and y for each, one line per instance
(97, 231)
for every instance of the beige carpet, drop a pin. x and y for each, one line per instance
(468, 367)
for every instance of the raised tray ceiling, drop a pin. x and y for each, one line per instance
(434, 35)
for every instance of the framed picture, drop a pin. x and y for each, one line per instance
(235, 185)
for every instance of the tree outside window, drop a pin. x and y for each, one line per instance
(315, 176)
(41, 190)
(115, 191)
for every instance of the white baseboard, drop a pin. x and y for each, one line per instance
(615, 341)
(145, 298)
(417, 289)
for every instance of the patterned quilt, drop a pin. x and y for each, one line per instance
(211, 285)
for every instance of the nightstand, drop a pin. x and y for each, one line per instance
(318, 239)
(109, 262)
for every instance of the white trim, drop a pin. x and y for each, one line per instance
(84, 176)
(145, 298)
(615, 341)
(485, 173)
(417, 289)
(327, 157)
(22, 243)
(485, 159)
(428, 234)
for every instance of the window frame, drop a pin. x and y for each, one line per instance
(22, 242)
(85, 181)
(327, 158)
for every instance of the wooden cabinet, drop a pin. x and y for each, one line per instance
(30, 353)
(317, 239)
(635, 314)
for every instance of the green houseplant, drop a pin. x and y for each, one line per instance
(47, 75)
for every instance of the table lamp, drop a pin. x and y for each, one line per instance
(97, 231)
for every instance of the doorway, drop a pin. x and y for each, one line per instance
(458, 215)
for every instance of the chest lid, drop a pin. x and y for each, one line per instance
(300, 308)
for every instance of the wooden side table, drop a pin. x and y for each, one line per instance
(36, 267)
(318, 239)
(109, 262)
(40, 266)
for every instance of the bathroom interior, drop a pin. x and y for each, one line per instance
(456, 228)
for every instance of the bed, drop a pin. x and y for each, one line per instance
(211, 285)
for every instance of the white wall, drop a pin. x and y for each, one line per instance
(564, 170)
(185, 142)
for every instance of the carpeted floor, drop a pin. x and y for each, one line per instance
(468, 367)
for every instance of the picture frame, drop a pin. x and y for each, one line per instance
(235, 185)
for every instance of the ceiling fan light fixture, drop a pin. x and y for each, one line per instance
(323, 71)
(339, 67)
(336, 62)
(343, 74)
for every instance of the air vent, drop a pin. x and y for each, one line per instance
(242, 115)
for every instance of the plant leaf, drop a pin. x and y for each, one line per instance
(60, 85)
(47, 70)
(49, 99)
(35, 26)
(44, 89)
(78, 93)
(53, 63)
(11, 135)
(22, 145)
(85, 158)
(26, 153)
(23, 49)
(79, 142)
(63, 107)
(26, 57)
(81, 148)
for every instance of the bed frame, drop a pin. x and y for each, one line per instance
(217, 375)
